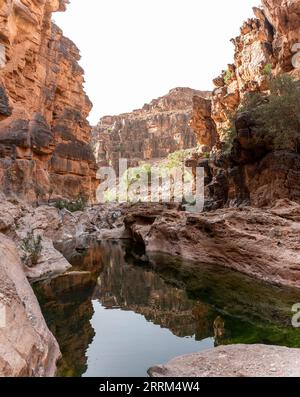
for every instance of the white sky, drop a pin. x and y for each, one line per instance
(136, 50)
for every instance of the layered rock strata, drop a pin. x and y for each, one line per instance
(44, 133)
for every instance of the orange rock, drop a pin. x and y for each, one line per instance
(44, 132)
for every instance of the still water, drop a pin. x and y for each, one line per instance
(114, 314)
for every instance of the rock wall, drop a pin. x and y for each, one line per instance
(250, 174)
(153, 132)
(44, 134)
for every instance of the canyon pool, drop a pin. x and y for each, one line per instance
(115, 314)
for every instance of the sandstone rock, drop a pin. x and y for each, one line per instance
(44, 221)
(27, 348)
(44, 134)
(202, 123)
(260, 243)
(50, 264)
(284, 19)
(234, 361)
(9, 215)
(153, 132)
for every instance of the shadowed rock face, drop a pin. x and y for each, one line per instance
(44, 134)
(153, 132)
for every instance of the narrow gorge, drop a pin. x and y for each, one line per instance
(85, 285)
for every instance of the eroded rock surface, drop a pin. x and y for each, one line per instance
(44, 134)
(234, 361)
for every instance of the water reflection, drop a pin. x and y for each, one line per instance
(113, 315)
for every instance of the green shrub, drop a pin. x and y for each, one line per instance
(267, 69)
(228, 76)
(32, 247)
(229, 137)
(277, 117)
(73, 206)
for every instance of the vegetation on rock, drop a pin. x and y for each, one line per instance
(277, 117)
(73, 206)
(32, 247)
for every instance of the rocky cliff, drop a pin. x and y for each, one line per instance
(44, 134)
(250, 174)
(153, 132)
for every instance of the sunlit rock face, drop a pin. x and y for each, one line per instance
(158, 129)
(284, 16)
(44, 134)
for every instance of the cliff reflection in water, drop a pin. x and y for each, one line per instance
(205, 304)
(122, 284)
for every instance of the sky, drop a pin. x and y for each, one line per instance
(136, 50)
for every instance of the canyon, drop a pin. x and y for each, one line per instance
(48, 151)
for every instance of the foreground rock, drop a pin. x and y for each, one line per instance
(234, 361)
(257, 242)
(27, 347)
